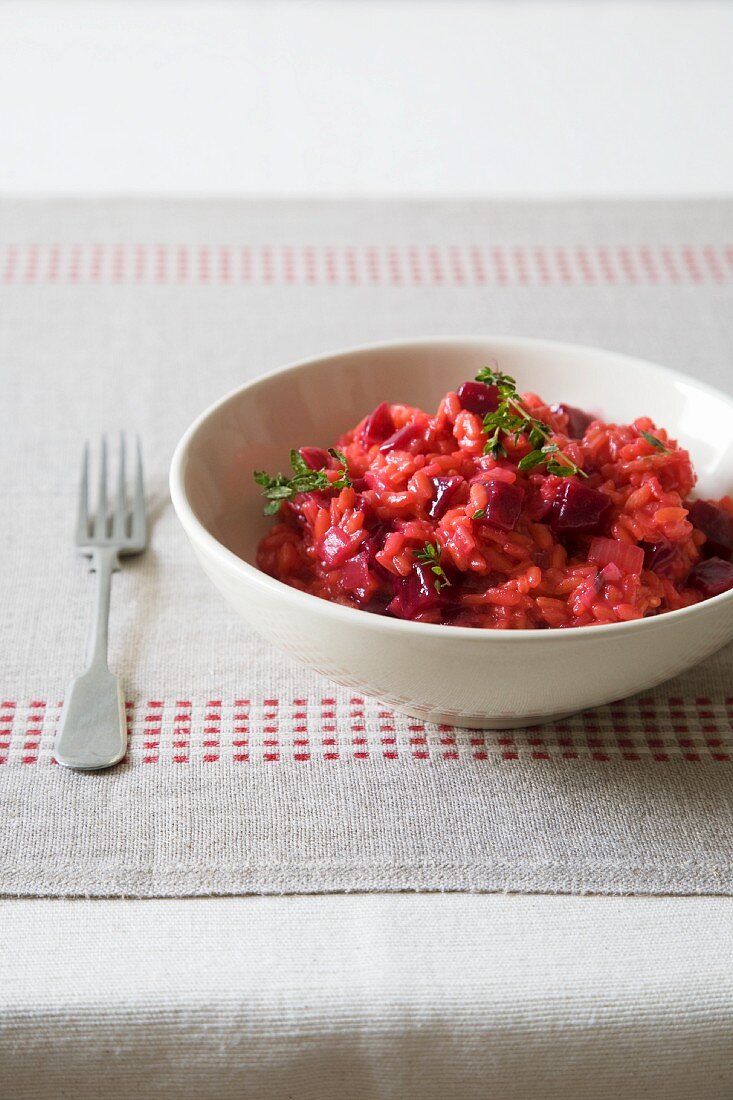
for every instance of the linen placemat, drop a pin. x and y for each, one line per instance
(247, 773)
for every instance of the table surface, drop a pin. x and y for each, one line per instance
(371, 997)
(398, 98)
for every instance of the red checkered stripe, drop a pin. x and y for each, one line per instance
(457, 265)
(270, 731)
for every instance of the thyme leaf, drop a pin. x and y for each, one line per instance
(430, 555)
(656, 443)
(510, 418)
(304, 480)
(505, 384)
(556, 461)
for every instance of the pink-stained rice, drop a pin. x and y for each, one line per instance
(422, 479)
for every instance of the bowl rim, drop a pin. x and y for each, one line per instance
(198, 533)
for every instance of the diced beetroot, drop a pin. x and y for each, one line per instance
(378, 531)
(382, 573)
(372, 544)
(378, 425)
(537, 507)
(578, 509)
(355, 573)
(415, 593)
(504, 505)
(716, 525)
(445, 490)
(359, 484)
(336, 547)
(628, 558)
(660, 556)
(477, 397)
(578, 420)
(400, 439)
(711, 577)
(314, 457)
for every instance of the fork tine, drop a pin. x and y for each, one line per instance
(119, 519)
(100, 520)
(82, 521)
(138, 503)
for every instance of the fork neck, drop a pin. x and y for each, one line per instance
(104, 563)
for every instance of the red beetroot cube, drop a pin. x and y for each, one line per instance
(717, 526)
(400, 440)
(378, 425)
(415, 593)
(355, 573)
(504, 505)
(477, 397)
(660, 557)
(314, 457)
(577, 509)
(578, 420)
(711, 577)
(336, 547)
(444, 492)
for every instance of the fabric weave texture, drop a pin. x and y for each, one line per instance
(247, 773)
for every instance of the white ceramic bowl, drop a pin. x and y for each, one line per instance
(481, 678)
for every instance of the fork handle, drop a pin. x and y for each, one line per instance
(93, 726)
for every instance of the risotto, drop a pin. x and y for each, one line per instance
(498, 511)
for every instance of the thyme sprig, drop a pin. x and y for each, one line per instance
(304, 480)
(656, 443)
(430, 555)
(556, 461)
(511, 419)
(505, 384)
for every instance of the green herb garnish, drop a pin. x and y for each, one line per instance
(479, 513)
(505, 384)
(657, 443)
(430, 555)
(561, 466)
(304, 480)
(511, 418)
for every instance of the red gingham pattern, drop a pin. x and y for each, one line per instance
(471, 265)
(300, 730)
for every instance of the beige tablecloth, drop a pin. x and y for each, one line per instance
(141, 314)
(247, 773)
(379, 997)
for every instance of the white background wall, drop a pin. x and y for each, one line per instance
(379, 97)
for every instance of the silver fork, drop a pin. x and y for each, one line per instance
(93, 726)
